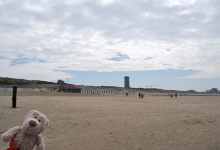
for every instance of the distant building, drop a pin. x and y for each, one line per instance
(213, 91)
(126, 82)
(59, 81)
(191, 91)
(71, 88)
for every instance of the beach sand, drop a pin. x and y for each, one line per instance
(119, 122)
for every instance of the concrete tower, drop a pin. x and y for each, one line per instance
(126, 82)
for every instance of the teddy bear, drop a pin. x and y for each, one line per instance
(27, 136)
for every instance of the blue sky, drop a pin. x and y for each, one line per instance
(163, 79)
(169, 44)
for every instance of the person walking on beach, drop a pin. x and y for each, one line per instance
(176, 95)
(171, 95)
(141, 95)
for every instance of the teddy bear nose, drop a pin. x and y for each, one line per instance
(32, 123)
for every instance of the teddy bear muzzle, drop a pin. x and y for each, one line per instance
(32, 123)
(31, 126)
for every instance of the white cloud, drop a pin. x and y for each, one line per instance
(107, 2)
(181, 2)
(86, 35)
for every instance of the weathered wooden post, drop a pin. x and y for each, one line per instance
(14, 97)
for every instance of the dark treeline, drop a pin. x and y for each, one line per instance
(13, 81)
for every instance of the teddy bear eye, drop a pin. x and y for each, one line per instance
(35, 117)
(39, 120)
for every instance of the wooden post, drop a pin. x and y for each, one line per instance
(14, 97)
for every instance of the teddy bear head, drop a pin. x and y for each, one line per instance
(35, 122)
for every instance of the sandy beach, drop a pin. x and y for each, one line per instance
(119, 122)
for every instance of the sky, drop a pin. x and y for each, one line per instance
(167, 44)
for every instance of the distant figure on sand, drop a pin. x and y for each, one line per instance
(171, 95)
(141, 95)
(176, 95)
